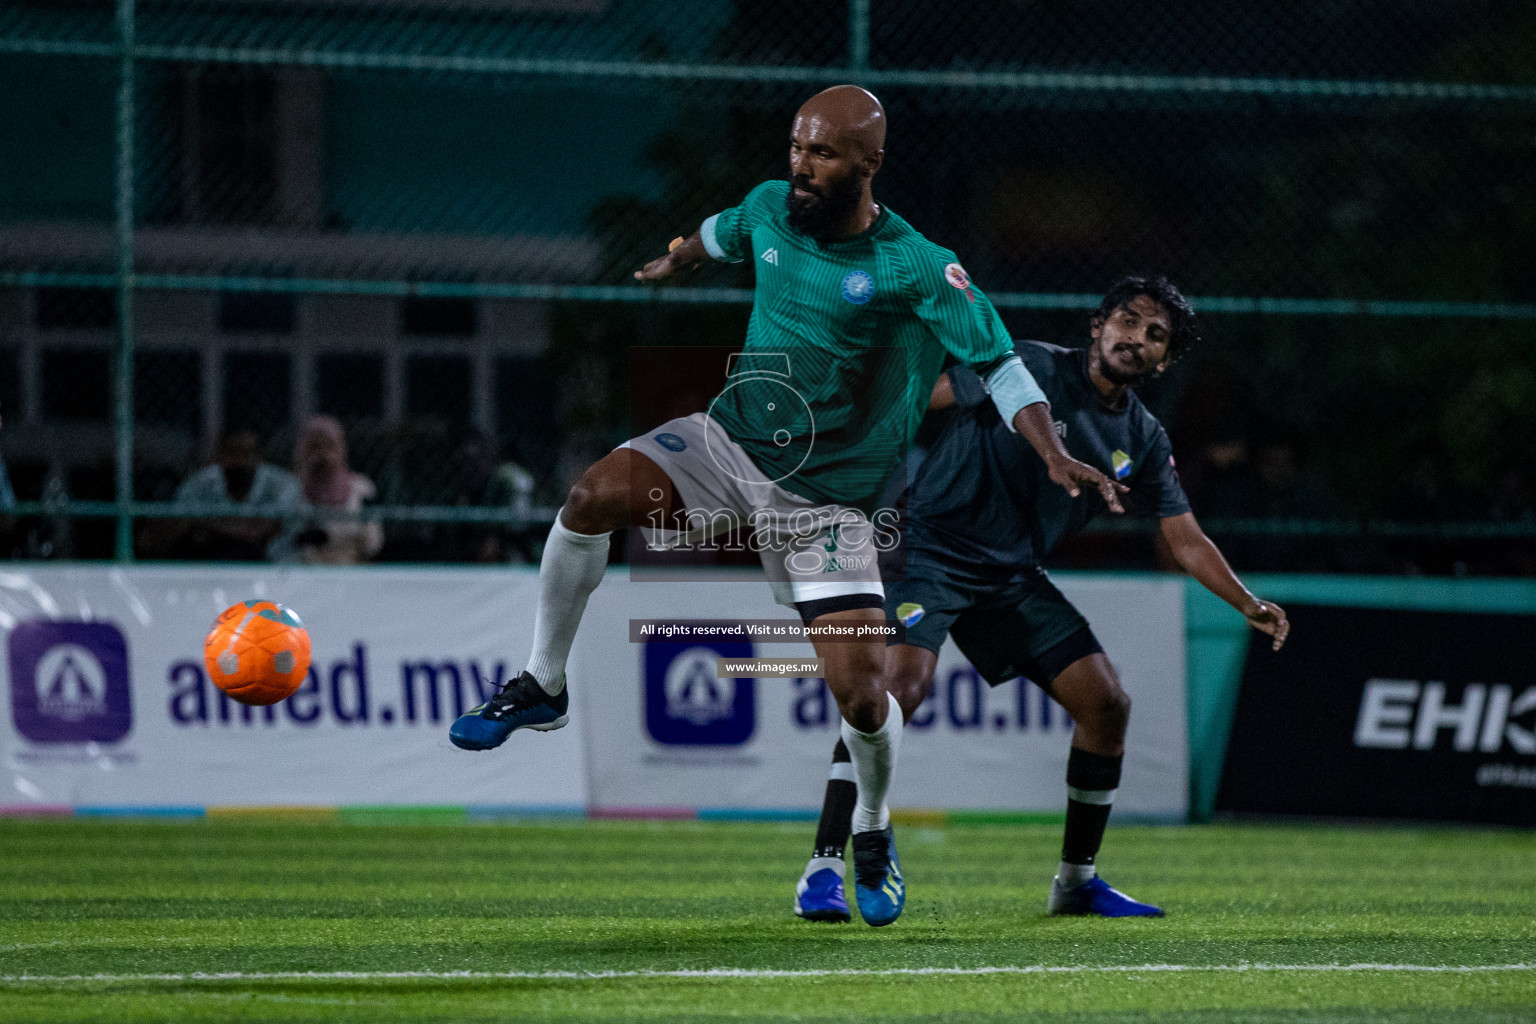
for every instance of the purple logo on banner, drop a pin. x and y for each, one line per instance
(686, 704)
(69, 682)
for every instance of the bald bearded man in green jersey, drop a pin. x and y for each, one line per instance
(852, 315)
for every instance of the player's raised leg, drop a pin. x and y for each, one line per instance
(819, 895)
(621, 489)
(871, 732)
(1090, 691)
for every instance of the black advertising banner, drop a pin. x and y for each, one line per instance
(1389, 714)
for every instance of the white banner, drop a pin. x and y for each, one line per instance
(109, 703)
(666, 735)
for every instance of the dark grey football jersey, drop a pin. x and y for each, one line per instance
(980, 502)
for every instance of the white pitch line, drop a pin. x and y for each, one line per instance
(747, 972)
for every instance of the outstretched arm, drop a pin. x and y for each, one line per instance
(1193, 550)
(965, 323)
(726, 236)
(1023, 406)
(1031, 418)
(683, 254)
(1033, 422)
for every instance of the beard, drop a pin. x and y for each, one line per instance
(817, 215)
(1120, 378)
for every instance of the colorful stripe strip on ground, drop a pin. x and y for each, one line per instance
(449, 814)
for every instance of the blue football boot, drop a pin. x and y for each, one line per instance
(1095, 896)
(877, 877)
(819, 896)
(521, 704)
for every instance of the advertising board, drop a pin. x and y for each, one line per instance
(109, 703)
(1396, 714)
(665, 733)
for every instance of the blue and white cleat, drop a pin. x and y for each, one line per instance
(877, 877)
(1095, 896)
(521, 704)
(819, 896)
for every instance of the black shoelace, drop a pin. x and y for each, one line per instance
(515, 696)
(869, 860)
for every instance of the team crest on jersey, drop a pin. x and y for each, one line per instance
(909, 614)
(955, 274)
(671, 442)
(1121, 463)
(858, 287)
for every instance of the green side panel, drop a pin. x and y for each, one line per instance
(364, 814)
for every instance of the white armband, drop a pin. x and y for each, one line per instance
(711, 243)
(1013, 387)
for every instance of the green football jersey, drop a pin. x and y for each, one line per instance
(845, 342)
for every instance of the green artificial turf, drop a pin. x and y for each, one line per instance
(126, 899)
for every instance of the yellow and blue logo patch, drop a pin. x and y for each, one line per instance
(1121, 463)
(909, 614)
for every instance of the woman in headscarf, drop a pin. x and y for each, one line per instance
(336, 535)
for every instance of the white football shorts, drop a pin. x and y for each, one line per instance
(810, 552)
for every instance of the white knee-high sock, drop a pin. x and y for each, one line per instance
(570, 570)
(874, 759)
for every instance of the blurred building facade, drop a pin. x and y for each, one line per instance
(413, 215)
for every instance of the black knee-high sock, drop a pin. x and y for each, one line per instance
(1091, 783)
(837, 807)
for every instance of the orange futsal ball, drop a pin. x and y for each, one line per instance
(257, 652)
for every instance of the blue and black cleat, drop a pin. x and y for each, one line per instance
(877, 879)
(1096, 897)
(819, 897)
(521, 704)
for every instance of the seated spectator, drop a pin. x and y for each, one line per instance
(7, 494)
(1514, 501)
(334, 534)
(7, 507)
(512, 486)
(479, 479)
(239, 476)
(1277, 486)
(1212, 470)
(1429, 494)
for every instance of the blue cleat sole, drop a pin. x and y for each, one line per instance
(467, 740)
(819, 897)
(1096, 898)
(520, 704)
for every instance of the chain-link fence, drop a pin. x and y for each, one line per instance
(221, 220)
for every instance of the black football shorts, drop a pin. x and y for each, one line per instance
(1019, 628)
